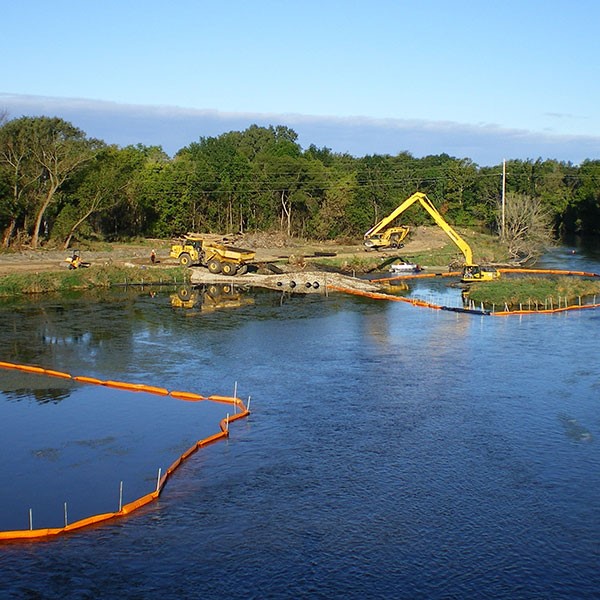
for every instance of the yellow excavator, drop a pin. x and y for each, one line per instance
(377, 237)
(381, 236)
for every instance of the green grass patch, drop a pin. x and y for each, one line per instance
(357, 263)
(440, 257)
(534, 292)
(486, 250)
(369, 261)
(105, 276)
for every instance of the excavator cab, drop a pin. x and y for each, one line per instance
(392, 237)
(472, 273)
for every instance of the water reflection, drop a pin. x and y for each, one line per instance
(210, 297)
(19, 386)
(75, 332)
(582, 256)
(42, 396)
(422, 453)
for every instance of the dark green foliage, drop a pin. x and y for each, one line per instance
(259, 179)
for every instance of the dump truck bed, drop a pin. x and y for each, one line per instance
(234, 253)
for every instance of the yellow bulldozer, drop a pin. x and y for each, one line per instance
(198, 249)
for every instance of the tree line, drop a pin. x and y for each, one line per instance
(58, 185)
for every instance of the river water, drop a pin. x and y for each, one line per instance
(392, 451)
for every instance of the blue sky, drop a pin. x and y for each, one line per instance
(366, 72)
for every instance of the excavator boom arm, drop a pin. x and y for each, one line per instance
(379, 227)
(434, 213)
(453, 235)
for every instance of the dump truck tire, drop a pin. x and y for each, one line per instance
(229, 268)
(184, 293)
(185, 260)
(214, 266)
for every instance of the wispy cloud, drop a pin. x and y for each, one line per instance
(559, 115)
(175, 127)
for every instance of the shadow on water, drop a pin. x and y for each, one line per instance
(42, 396)
(574, 430)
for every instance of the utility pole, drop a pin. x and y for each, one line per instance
(502, 230)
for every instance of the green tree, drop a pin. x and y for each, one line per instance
(42, 153)
(138, 211)
(556, 183)
(98, 187)
(487, 196)
(333, 219)
(583, 213)
(223, 180)
(375, 179)
(460, 177)
(20, 175)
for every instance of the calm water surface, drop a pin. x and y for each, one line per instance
(392, 451)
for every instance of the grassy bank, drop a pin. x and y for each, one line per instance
(85, 279)
(487, 249)
(367, 262)
(535, 292)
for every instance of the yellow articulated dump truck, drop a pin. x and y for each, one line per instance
(197, 249)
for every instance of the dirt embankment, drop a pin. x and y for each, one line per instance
(269, 248)
(36, 261)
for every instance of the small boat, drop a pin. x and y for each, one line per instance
(404, 267)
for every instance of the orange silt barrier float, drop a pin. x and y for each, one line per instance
(547, 311)
(482, 311)
(29, 369)
(57, 374)
(189, 396)
(7, 365)
(417, 276)
(92, 380)
(381, 296)
(136, 387)
(45, 533)
(550, 272)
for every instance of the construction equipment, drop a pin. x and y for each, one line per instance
(196, 249)
(75, 261)
(471, 272)
(380, 236)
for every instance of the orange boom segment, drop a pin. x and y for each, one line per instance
(38, 534)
